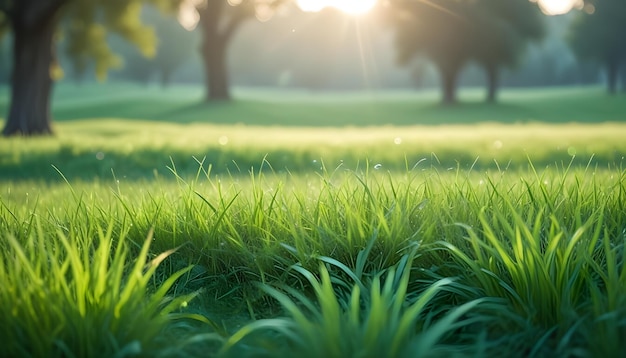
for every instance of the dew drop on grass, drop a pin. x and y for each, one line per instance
(378, 166)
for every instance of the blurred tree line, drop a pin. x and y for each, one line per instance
(271, 43)
(598, 36)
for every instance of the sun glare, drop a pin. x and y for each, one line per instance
(558, 7)
(352, 7)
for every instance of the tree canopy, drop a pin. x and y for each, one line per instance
(451, 33)
(218, 21)
(598, 35)
(85, 25)
(176, 45)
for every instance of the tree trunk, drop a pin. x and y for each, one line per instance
(449, 78)
(612, 75)
(218, 23)
(215, 69)
(622, 75)
(493, 78)
(31, 83)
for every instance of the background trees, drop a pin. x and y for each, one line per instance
(598, 36)
(436, 31)
(175, 46)
(502, 31)
(451, 33)
(34, 25)
(218, 22)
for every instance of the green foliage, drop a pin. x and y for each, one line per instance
(597, 33)
(174, 46)
(505, 30)
(90, 23)
(597, 36)
(87, 26)
(486, 30)
(451, 33)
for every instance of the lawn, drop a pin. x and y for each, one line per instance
(303, 225)
(136, 130)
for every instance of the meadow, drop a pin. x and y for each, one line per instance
(340, 225)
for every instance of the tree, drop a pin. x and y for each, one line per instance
(453, 32)
(506, 27)
(598, 36)
(436, 32)
(218, 22)
(175, 45)
(86, 24)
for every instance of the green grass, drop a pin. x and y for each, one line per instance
(85, 150)
(544, 250)
(293, 108)
(463, 239)
(136, 131)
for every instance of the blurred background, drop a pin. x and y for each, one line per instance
(121, 83)
(375, 45)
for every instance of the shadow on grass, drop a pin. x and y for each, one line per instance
(556, 106)
(155, 164)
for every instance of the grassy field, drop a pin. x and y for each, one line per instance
(136, 130)
(143, 229)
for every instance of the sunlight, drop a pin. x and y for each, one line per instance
(558, 7)
(352, 7)
(188, 16)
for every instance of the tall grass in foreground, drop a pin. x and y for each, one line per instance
(508, 263)
(560, 266)
(81, 296)
(364, 314)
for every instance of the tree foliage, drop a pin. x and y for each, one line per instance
(598, 35)
(175, 45)
(451, 33)
(86, 25)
